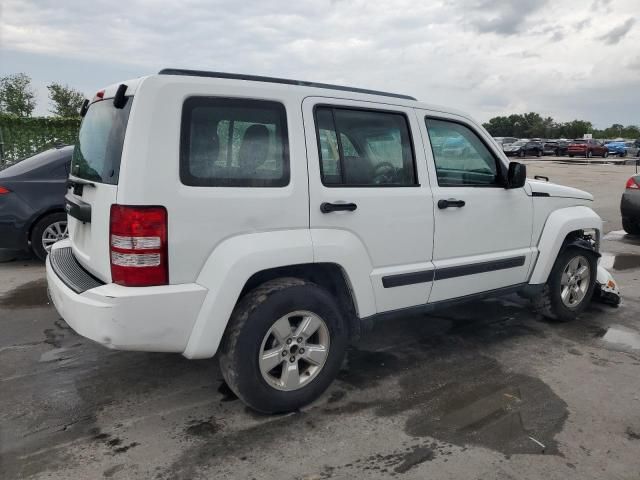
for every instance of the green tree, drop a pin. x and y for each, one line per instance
(16, 95)
(65, 100)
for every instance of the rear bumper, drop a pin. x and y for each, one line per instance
(155, 319)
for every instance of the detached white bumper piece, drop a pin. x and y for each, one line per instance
(154, 319)
(607, 290)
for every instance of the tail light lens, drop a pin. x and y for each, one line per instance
(632, 183)
(138, 239)
(4, 191)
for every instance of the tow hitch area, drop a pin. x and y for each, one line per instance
(607, 290)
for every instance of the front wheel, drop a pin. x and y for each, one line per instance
(284, 345)
(570, 285)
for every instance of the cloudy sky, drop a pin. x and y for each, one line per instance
(564, 58)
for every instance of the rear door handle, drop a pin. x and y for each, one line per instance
(451, 202)
(327, 207)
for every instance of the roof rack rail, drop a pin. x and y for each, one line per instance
(286, 81)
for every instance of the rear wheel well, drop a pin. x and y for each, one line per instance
(327, 275)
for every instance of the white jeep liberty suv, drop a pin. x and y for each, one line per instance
(268, 220)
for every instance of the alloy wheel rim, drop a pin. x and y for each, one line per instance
(53, 233)
(294, 350)
(575, 281)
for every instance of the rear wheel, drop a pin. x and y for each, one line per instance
(631, 226)
(571, 156)
(49, 229)
(570, 285)
(284, 345)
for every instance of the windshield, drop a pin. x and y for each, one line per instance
(519, 144)
(97, 153)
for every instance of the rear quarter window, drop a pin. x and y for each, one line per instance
(227, 142)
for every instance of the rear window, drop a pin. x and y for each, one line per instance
(579, 142)
(98, 151)
(229, 142)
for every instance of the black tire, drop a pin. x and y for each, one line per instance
(549, 303)
(539, 154)
(39, 228)
(630, 226)
(571, 156)
(253, 317)
(605, 154)
(521, 154)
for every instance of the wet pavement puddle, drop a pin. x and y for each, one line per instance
(621, 235)
(30, 294)
(623, 261)
(622, 338)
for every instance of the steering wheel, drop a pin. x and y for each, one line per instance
(384, 172)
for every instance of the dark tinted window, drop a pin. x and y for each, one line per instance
(99, 148)
(364, 147)
(234, 143)
(461, 158)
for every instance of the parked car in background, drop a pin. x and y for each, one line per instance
(522, 148)
(32, 201)
(632, 149)
(504, 141)
(630, 206)
(557, 148)
(617, 148)
(587, 147)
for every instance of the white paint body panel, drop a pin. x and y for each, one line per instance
(494, 224)
(558, 225)
(155, 319)
(393, 225)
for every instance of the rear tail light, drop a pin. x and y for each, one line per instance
(138, 246)
(4, 191)
(632, 183)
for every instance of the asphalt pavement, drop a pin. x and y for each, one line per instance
(483, 391)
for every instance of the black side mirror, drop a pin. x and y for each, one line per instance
(517, 175)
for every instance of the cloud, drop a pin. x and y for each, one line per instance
(486, 57)
(616, 34)
(504, 17)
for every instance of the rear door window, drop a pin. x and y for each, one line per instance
(234, 143)
(97, 153)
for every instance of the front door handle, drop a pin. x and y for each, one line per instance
(451, 202)
(327, 207)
